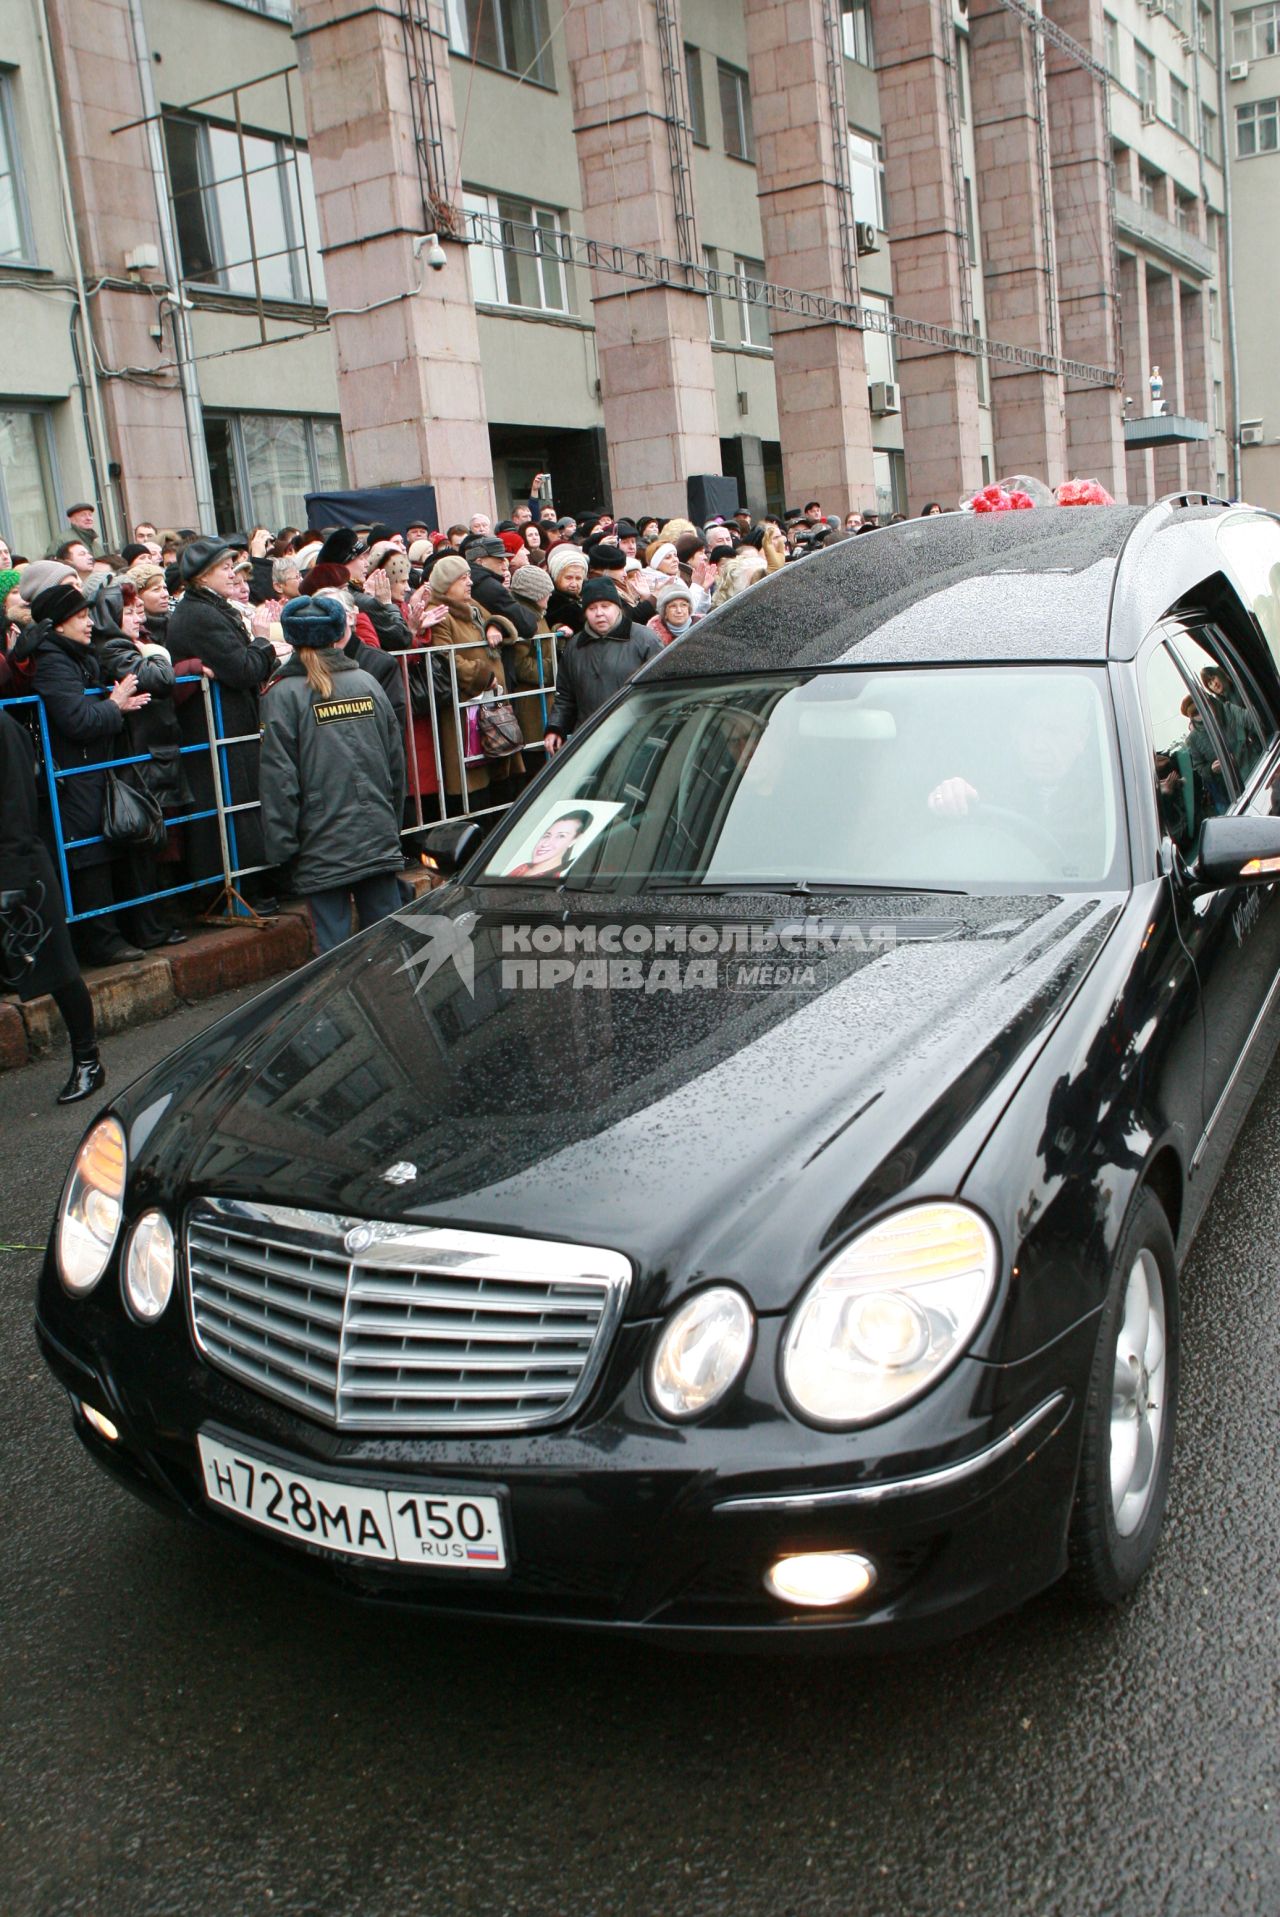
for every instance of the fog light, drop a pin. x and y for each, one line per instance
(99, 1422)
(820, 1578)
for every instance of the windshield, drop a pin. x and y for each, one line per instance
(981, 778)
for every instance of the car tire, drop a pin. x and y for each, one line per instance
(1127, 1449)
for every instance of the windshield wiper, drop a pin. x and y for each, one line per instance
(800, 888)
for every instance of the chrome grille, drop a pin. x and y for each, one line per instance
(371, 1326)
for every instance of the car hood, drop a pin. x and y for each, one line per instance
(717, 1124)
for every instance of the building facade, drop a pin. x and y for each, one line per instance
(876, 253)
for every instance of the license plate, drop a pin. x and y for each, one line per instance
(445, 1530)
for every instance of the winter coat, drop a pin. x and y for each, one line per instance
(380, 666)
(462, 631)
(82, 731)
(491, 595)
(332, 776)
(386, 619)
(385, 668)
(153, 729)
(25, 866)
(205, 626)
(564, 609)
(592, 669)
(529, 655)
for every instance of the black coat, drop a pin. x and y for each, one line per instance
(153, 729)
(386, 619)
(592, 669)
(564, 609)
(82, 731)
(207, 627)
(382, 667)
(491, 595)
(25, 866)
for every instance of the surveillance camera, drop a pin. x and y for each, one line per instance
(437, 258)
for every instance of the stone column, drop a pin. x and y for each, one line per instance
(1140, 480)
(820, 369)
(1164, 331)
(113, 191)
(1028, 408)
(1197, 386)
(939, 386)
(410, 387)
(1088, 297)
(652, 341)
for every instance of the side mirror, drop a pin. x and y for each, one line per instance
(1237, 852)
(450, 845)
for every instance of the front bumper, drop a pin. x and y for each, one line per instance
(616, 1523)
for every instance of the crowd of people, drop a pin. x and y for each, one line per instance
(515, 633)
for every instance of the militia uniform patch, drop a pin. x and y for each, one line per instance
(342, 709)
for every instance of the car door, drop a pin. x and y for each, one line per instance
(1216, 752)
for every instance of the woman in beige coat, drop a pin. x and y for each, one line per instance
(459, 624)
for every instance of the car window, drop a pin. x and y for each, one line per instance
(1251, 545)
(1230, 709)
(1191, 783)
(984, 777)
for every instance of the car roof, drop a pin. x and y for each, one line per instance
(963, 587)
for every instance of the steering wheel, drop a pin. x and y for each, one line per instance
(1033, 833)
(920, 853)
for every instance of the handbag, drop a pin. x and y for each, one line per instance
(429, 685)
(498, 727)
(131, 815)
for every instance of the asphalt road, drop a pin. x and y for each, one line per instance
(185, 1731)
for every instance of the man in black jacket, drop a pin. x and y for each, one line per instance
(597, 661)
(490, 584)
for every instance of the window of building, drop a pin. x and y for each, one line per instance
(16, 243)
(215, 198)
(30, 512)
(735, 112)
(1209, 133)
(855, 28)
(877, 347)
(866, 169)
(980, 370)
(1180, 107)
(890, 470)
(715, 303)
(1215, 313)
(1145, 74)
(1186, 212)
(1255, 33)
(753, 312)
(262, 465)
(1151, 189)
(971, 225)
(511, 35)
(1176, 11)
(274, 9)
(1112, 30)
(1219, 407)
(1257, 128)
(697, 99)
(519, 255)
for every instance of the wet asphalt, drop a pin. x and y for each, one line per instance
(184, 1730)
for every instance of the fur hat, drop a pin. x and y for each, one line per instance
(565, 556)
(314, 622)
(665, 550)
(608, 558)
(145, 574)
(342, 546)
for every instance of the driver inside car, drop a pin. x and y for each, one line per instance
(1045, 781)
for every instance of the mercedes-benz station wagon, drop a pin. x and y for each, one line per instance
(748, 1195)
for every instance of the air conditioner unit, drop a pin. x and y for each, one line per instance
(1238, 70)
(1251, 432)
(886, 397)
(1148, 113)
(868, 237)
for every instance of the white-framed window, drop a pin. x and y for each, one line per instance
(235, 215)
(1111, 30)
(1255, 33)
(1186, 212)
(877, 347)
(1257, 128)
(273, 9)
(30, 512)
(890, 470)
(519, 256)
(512, 35)
(735, 112)
(1144, 74)
(697, 98)
(715, 302)
(1151, 189)
(753, 312)
(262, 465)
(866, 169)
(17, 244)
(1180, 107)
(1209, 133)
(855, 31)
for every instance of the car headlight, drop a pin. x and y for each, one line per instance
(149, 1266)
(92, 1207)
(887, 1317)
(703, 1347)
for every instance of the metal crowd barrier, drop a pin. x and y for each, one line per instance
(226, 809)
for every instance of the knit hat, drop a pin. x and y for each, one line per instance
(676, 591)
(420, 551)
(314, 622)
(562, 556)
(600, 589)
(58, 604)
(531, 582)
(8, 580)
(199, 554)
(41, 573)
(608, 558)
(446, 572)
(511, 540)
(145, 574)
